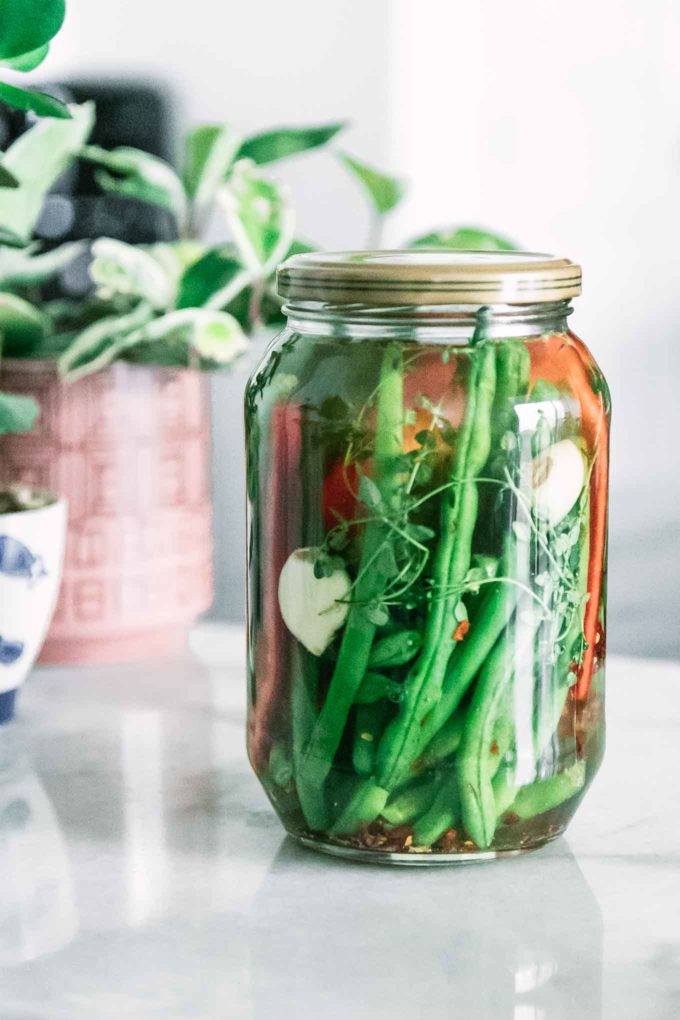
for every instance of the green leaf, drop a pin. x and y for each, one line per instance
(205, 337)
(22, 326)
(460, 612)
(214, 281)
(377, 614)
(386, 563)
(101, 343)
(37, 159)
(463, 239)
(369, 493)
(26, 25)
(272, 145)
(129, 270)
(260, 217)
(17, 414)
(7, 180)
(385, 192)
(215, 336)
(141, 176)
(210, 151)
(21, 267)
(209, 337)
(27, 61)
(420, 532)
(33, 102)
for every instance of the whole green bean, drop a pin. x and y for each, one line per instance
(375, 687)
(280, 765)
(498, 605)
(537, 798)
(469, 655)
(504, 791)
(401, 741)
(442, 815)
(489, 715)
(303, 713)
(513, 365)
(411, 801)
(359, 632)
(369, 726)
(365, 804)
(444, 743)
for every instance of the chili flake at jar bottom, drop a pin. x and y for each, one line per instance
(427, 492)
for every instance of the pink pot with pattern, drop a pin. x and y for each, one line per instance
(129, 448)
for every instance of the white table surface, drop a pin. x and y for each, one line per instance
(143, 874)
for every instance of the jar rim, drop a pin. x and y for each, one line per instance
(428, 276)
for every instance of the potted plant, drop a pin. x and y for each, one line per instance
(119, 371)
(32, 521)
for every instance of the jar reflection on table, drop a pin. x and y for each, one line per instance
(470, 944)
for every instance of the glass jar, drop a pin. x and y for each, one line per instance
(427, 489)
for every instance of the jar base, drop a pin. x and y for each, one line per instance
(418, 859)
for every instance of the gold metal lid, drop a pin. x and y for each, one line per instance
(428, 277)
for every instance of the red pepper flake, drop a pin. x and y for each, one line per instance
(447, 842)
(495, 749)
(461, 630)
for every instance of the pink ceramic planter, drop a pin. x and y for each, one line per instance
(129, 448)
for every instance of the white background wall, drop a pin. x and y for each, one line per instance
(556, 124)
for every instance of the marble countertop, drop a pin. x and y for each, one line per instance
(143, 874)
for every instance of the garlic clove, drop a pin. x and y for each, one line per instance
(310, 605)
(559, 474)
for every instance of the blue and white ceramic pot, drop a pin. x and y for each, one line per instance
(31, 558)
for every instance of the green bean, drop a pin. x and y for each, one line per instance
(512, 367)
(444, 743)
(280, 765)
(489, 716)
(411, 801)
(359, 632)
(395, 649)
(537, 798)
(442, 815)
(365, 804)
(369, 726)
(375, 687)
(504, 791)
(303, 712)
(469, 655)
(498, 605)
(401, 741)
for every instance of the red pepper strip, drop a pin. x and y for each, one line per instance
(340, 494)
(572, 363)
(282, 502)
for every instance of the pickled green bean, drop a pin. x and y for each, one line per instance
(359, 632)
(441, 816)
(411, 801)
(401, 741)
(369, 726)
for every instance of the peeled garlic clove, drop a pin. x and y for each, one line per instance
(309, 604)
(559, 474)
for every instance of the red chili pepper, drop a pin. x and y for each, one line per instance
(461, 630)
(340, 499)
(573, 365)
(270, 646)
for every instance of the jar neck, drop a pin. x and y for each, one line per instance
(449, 324)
